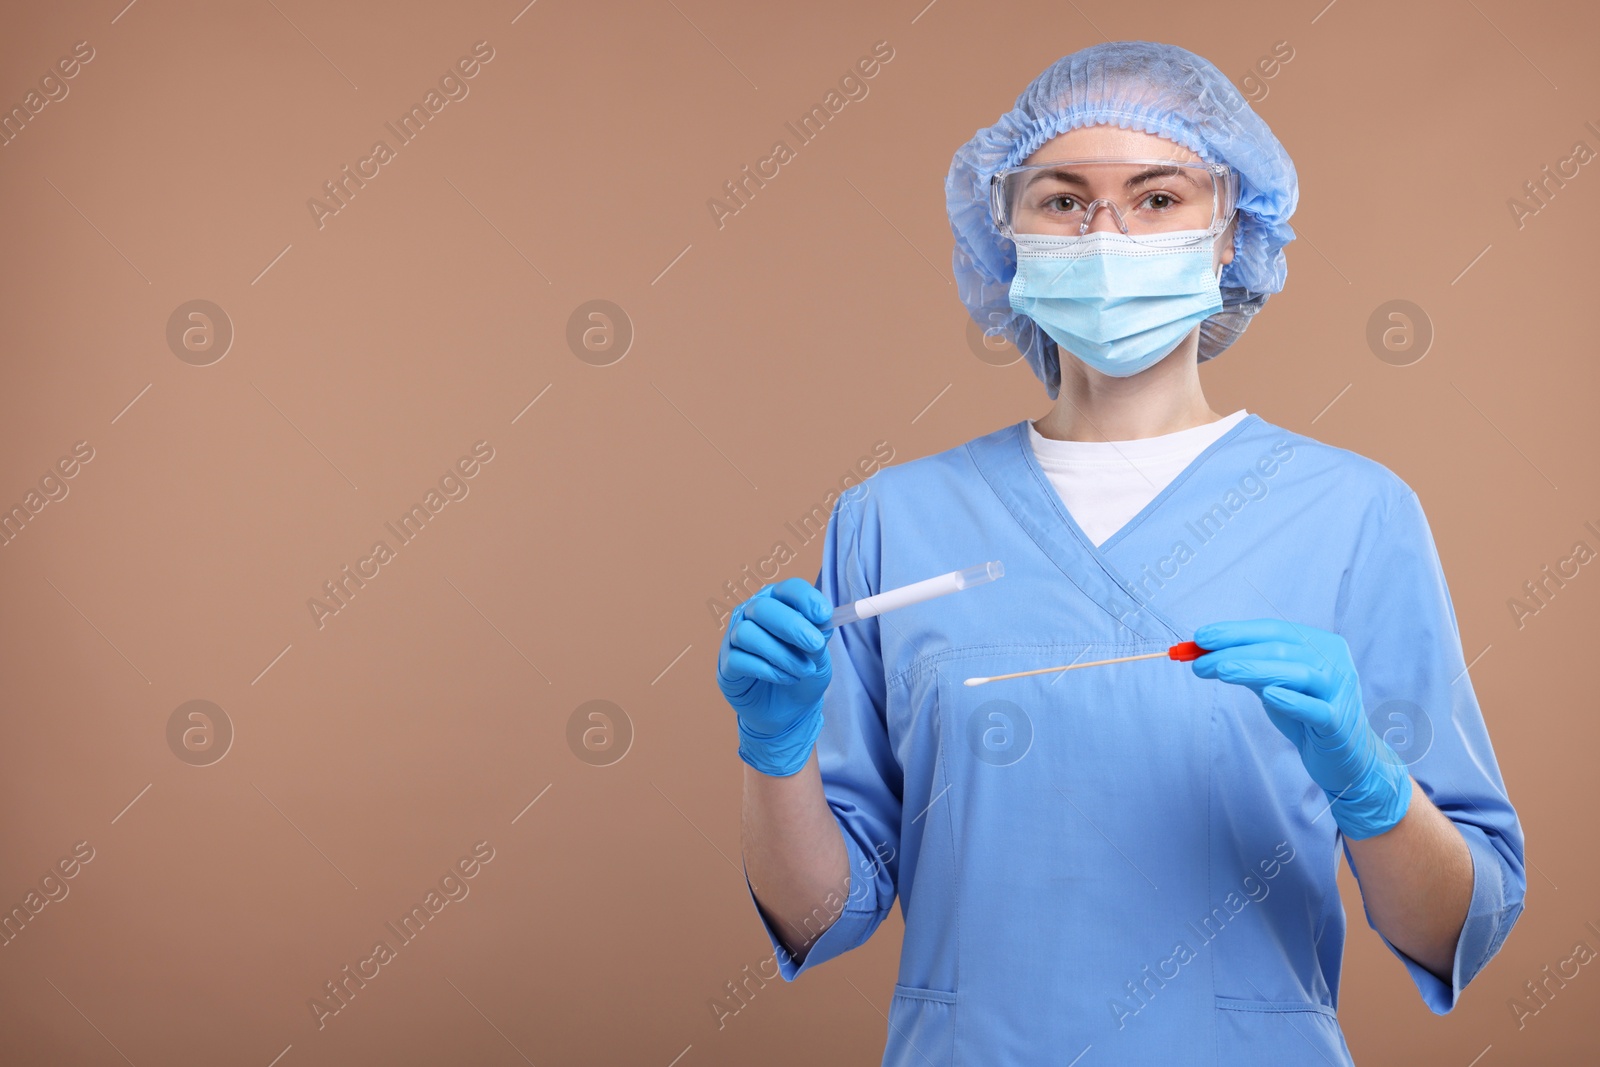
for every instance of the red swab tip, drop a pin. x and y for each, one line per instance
(1185, 651)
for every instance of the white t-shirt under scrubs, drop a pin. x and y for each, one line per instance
(1106, 483)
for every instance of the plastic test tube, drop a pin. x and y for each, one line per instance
(915, 593)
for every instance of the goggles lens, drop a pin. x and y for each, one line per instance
(1139, 196)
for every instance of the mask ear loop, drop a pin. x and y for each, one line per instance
(1217, 234)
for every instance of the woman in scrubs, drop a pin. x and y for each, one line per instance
(1134, 863)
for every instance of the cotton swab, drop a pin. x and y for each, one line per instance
(1183, 652)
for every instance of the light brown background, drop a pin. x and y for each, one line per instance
(767, 360)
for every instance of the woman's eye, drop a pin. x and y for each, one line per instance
(1060, 203)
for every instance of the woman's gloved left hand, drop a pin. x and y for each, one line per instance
(1307, 682)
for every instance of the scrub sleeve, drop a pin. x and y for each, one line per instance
(1396, 615)
(859, 769)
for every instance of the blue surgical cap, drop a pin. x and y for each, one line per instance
(1140, 85)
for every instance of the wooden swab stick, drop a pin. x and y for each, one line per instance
(1182, 652)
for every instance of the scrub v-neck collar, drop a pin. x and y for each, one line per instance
(1005, 459)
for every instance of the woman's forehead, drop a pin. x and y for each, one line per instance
(1106, 141)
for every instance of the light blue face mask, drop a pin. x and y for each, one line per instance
(1118, 302)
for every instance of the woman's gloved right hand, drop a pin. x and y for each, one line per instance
(774, 668)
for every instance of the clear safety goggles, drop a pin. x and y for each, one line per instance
(1141, 196)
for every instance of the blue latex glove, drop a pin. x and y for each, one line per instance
(1307, 683)
(773, 668)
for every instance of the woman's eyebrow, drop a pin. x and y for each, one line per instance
(1070, 177)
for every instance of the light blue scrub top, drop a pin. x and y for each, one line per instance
(1129, 863)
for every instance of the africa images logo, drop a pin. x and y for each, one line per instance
(341, 589)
